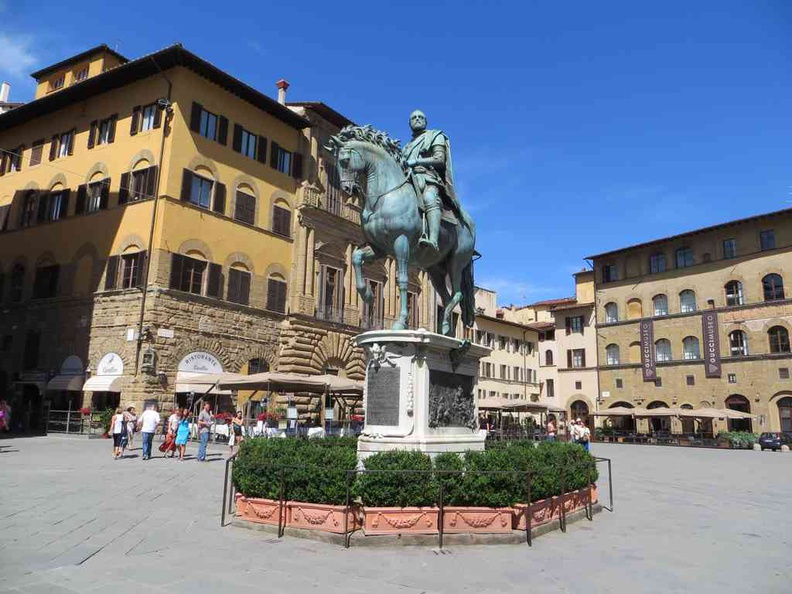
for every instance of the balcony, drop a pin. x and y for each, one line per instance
(331, 201)
(331, 314)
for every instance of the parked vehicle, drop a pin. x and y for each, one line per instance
(773, 440)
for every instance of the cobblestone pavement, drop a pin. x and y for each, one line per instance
(74, 520)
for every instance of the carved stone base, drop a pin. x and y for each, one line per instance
(419, 393)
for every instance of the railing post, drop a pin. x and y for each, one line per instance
(281, 507)
(347, 534)
(590, 504)
(610, 484)
(563, 507)
(225, 495)
(440, 515)
(68, 420)
(528, 512)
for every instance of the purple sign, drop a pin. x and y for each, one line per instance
(709, 330)
(647, 351)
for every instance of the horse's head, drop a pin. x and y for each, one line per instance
(350, 163)
(362, 149)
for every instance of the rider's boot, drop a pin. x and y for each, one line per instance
(433, 217)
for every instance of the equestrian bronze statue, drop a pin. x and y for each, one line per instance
(410, 211)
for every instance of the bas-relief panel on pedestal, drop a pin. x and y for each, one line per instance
(451, 401)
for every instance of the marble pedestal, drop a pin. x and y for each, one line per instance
(419, 393)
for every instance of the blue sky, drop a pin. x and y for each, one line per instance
(577, 127)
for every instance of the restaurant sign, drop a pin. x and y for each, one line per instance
(709, 330)
(200, 362)
(647, 351)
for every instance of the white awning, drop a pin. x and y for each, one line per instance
(70, 383)
(104, 383)
(200, 383)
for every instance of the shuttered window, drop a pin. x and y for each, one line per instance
(17, 287)
(238, 286)
(97, 196)
(276, 295)
(245, 208)
(208, 124)
(187, 274)
(102, 131)
(281, 221)
(245, 142)
(132, 269)
(45, 284)
(37, 152)
(138, 185)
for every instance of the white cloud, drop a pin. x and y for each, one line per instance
(17, 57)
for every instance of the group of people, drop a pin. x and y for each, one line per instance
(578, 432)
(176, 430)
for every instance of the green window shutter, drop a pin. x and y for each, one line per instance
(236, 142)
(297, 165)
(135, 125)
(123, 191)
(219, 197)
(112, 130)
(111, 279)
(214, 286)
(195, 117)
(261, 150)
(186, 188)
(274, 154)
(82, 191)
(92, 134)
(177, 263)
(151, 181)
(158, 117)
(222, 130)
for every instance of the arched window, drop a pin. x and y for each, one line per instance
(258, 365)
(662, 350)
(739, 403)
(17, 283)
(635, 352)
(779, 339)
(773, 287)
(245, 205)
(276, 293)
(634, 309)
(690, 345)
(611, 312)
(657, 263)
(687, 301)
(738, 343)
(660, 422)
(281, 219)
(238, 284)
(684, 257)
(612, 354)
(734, 293)
(660, 303)
(580, 410)
(785, 413)
(201, 189)
(28, 217)
(548, 357)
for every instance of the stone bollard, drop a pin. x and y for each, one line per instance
(757, 447)
(784, 448)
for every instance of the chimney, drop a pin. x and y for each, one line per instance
(282, 85)
(5, 89)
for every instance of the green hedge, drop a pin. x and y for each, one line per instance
(394, 489)
(739, 439)
(315, 472)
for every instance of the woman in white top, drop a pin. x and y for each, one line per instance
(118, 429)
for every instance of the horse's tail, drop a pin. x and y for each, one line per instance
(468, 296)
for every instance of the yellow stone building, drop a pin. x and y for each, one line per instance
(162, 220)
(713, 310)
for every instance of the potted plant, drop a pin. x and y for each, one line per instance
(476, 502)
(548, 462)
(398, 502)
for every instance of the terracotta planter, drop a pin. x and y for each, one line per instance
(484, 520)
(320, 516)
(261, 511)
(400, 520)
(547, 510)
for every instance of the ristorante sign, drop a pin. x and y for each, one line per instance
(647, 351)
(709, 330)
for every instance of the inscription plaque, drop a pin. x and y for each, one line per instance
(382, 396)
(451, 402)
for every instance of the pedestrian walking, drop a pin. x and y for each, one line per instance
(170, 437)
(585, 436)
(204, 426)
(574, 431)
(131, 421)
(118, 429)
(147, 423)
(551, 430)
(5, 416)
(183, 432)
(237, 432)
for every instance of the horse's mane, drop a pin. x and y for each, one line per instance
(370, 134)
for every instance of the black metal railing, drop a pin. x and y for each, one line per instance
(228, 506)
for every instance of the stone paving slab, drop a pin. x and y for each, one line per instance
(72, 519)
